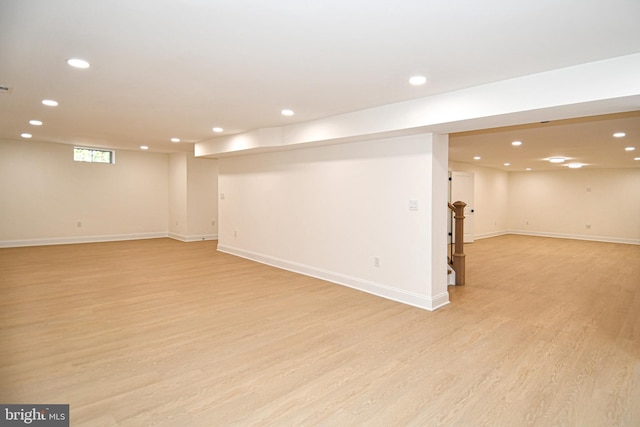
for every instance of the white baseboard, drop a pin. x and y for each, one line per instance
(488, 235)
(195, 238)
(83, 239)
(384, 291)
(604, 239)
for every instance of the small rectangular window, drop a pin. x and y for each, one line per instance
(93, 155)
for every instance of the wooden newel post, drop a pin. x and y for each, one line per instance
(458, 255)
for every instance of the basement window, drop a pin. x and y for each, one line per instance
(93, 155)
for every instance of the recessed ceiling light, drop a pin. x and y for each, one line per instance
(218, 130)
(477, 158)
(144, 147)
(78, 63)
(507, 164)
(418, 80)
(287, 112)
(175, 139)
(50, 102)
(557, 159)
(575, 165)
(26, 135)
(629, 148)
(35, 122)
(528, 169)
(516, 143)
(636, 158)
(619, 134)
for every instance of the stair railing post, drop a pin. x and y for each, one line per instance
(458, 255)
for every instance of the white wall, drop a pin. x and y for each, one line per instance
(193, 202)
(44, 194)
(491, 194)
(202, 198)
(563, 203)
(178, 195)
(330, 211)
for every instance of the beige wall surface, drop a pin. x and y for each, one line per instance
(46, 197)
(202, 198)
(491, 197)
(332, 211)
(592, 204)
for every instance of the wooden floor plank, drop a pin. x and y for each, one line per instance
(159, 332)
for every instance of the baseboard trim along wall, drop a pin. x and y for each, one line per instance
(83, 239)
(420, 301)
(488, 235)
(196, 238)
(604, 239)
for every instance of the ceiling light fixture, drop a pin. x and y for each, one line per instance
(175, 139)
(287, 112)
(477, 158)
(575, 165)
(144, 147)
(619, 135)
(35, 122)
(26, 135)
(417, 80)
(629, 148)
(557, 159)
(528, 169)
(50, 102)
(218, 130)
(636, 158)
(507, 164)
(78, 63)
(516, 143)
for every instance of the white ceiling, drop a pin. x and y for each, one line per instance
(167, 68)
(585, 140)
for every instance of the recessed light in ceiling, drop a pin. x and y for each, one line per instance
(619, 135)
(26, 135)
(528, 169)
(218, 129)
(78, 63)
(575, 165)
(507, 164)
(636, 158)
(287, 112)
(516, 143)
(418, 80)
(50, 102)
(629, 148)
(175, 139)
(477, 158)
(557, 159)
(144, 147)
(35, 122)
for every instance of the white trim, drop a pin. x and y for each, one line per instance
(196, 238)
(384, 291)
(604, 239)
(74, 240)
(488, 235)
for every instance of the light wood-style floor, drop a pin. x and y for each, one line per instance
(162, 333)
